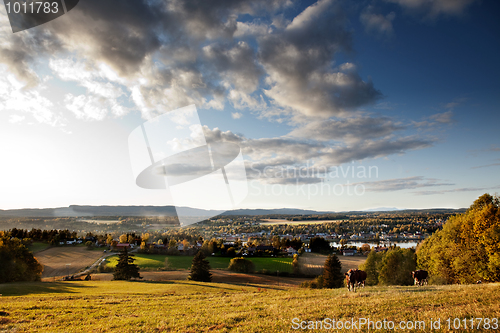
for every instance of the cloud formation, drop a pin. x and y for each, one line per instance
(166, 55)
(377, 23)
(279, 153)
(399, 184)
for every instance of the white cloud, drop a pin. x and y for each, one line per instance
(349, 130)
(296, 152)
(250, 29)
(377, 23)
(14, 118)
(13, 97)
(399, 184)
(236, 115)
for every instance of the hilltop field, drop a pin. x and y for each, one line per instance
(185, 306)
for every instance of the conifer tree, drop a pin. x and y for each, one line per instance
(332, 275)
(126, 269)
(200, 268)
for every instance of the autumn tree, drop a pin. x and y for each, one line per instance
(467, 249)
(17, 263)
(295, 264)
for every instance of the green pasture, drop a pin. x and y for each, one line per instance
(38, 246)
(157, 262)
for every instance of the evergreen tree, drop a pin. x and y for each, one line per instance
(126, 269)
(332, 275)
(200, 268)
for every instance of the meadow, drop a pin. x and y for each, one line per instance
(38, 246)
(186, 306)
(157, 262)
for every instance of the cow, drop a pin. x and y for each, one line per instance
(355, 277)
(420, 277)
(361, 278)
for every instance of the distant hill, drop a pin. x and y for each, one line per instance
(281, 211)
(382, 209)
(76, 210)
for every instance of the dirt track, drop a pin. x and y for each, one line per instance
(54, 260)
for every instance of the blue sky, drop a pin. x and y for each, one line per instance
(406, 88)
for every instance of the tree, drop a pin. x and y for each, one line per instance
(17, 263)
(126, 269)
(123, 238)
(231, 252)
(364, 248)
(467, 249)
(241, 265)
(372, 267)
(89, 244)
(131, 239)
(200, 268)
(295, 264)
(332, 275)
(319, 244)
(396, 267)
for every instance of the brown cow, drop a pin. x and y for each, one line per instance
(420, 277)
(355, 277)
(362, 278)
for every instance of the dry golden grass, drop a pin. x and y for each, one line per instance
(186, 306)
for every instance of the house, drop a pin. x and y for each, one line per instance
(291, 251)
(349, 252)
(121, 246)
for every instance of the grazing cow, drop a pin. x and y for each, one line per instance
(361, 278)
(420, 277)
(355, 277)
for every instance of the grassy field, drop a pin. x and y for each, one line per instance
(185, 306)
(157, 262)
(59, 261)
(38, 246)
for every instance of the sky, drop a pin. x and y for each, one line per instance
(335, 105)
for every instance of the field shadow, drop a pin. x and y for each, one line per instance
(40, 288)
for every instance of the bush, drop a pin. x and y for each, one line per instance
(241, 265)
(317, 283)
